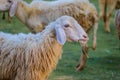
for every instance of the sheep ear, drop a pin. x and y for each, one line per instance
(13, 9)
(60, 35)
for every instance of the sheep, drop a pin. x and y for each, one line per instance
(35, 56)
(37, 14)
(106, 9)
(117, 22)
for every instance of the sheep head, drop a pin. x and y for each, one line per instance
(5, 5)
(8, 5)
(68, 29)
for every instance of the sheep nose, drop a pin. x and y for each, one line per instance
(85, 37)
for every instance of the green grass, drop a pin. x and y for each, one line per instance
(102, 64)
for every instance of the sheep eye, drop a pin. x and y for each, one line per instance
(66, 25)
(9, 1)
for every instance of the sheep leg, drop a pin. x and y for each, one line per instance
(117, 23)
(118, 30)
(117, 4)
(83, 58)
(9, 18)
(112, 6)
(107, 22)
(3, 17)
(103, 14)
(95, 33)
(102, 7)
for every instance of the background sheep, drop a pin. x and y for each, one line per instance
(34, 56)
(117, 22)
(40, 13)
(106, 9)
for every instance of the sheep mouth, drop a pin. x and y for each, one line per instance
(83, 42)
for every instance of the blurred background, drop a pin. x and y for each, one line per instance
(102, 64)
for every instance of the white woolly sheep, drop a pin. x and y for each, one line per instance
(117, 22)
(106, 9)
(39, 13)
(35, 56)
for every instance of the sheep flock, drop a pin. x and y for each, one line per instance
(34, 56)
(36, 17)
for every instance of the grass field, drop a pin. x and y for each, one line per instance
(102, 64)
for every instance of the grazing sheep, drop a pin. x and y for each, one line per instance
(117, 22)
(106, 9)
(35, 56)
(39, 13)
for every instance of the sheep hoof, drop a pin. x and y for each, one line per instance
(79, 67)
(108, 30)
(94, 46)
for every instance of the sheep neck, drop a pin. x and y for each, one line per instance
(22, 11)
(46, 54)
(34, 57)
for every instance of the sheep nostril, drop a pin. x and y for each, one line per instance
(85, 36)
